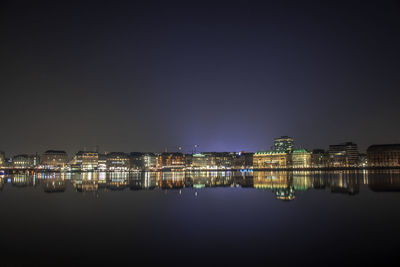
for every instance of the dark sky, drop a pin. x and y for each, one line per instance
(229, 76)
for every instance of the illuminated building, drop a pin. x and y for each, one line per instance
(34, 161)
(387, 155)
(301, 158)
(174, 160)
(21, 161)
(143, 161)
(343, 155)
(135, 160)
(85, 161)
(283, 144)
(26, 161)
(54, 159)
(243, 160)
(102, 162)
(2, 159)
(318, 158)
(363, 160)
(76, 163)
(118, 161)
(218, 160)
(271, 160)
(90, 161)
(201, 161)
(149, 161)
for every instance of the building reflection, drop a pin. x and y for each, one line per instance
(53, 183)
(22, 180)
(285, 185)
(86, 182)
(117, 181)
(173, 180)
(344, 182)
(280, 183)
(143, 180)
(384, 182)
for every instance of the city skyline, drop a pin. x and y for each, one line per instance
(185, 149)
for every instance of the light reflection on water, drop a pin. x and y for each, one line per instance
(283, 184)
(203, 218)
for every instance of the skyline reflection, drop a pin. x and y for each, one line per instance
(283, 184)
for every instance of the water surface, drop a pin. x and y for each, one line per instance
(200, 218)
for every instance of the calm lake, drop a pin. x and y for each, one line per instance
(200, 218)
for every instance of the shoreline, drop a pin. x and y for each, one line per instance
(15, 171)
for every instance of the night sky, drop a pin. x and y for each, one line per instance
(229, 76)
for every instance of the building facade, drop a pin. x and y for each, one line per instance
(173, 160)
(387, 155)
(283, 144)
(271, 160)
(2, 159)
(343, 155)
(318, 158)
(243, 160)
(54, 159)
(21, 161)
(118, 161)
(201, 161)
(301, 158)
(90, 160)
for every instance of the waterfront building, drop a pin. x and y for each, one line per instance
(387, 155)
(219, 160)
(118, 161)
(318, 158)
(243, 160)
(143, 161)
(135, 161)
(343, 155)
(54, 159)
(363, 160)
(21, 161)
(271, 160)
(24, 161)
(201, 161)
(149, 161)
(102, 162)
(34, 161)
(76, 162)
(8, 163)
(171, 160)
(90, 160)
(283, 144)
(85, 161)
(2, 159)
(301, 158)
